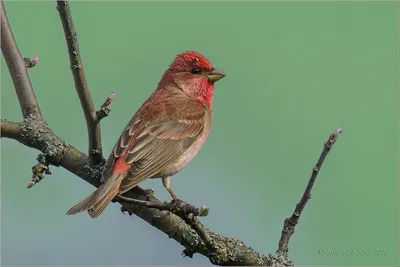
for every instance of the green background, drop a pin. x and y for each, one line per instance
(295, 72)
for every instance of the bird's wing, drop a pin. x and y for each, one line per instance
(160, 132)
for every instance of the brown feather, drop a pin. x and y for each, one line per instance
(172, 126)
(102, 194)
(163, 136)
(99, 207)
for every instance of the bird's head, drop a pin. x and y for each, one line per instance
(194, 74)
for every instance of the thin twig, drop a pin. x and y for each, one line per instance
(231, 251)
(36, 134)
(290, 223)
(178, 207)
(192, 220)
(10, 129)
(17, 68)
(93, 126)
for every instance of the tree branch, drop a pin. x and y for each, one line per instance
(229, 251)
(17, 68)
(177, 220)
(291, 222)
(92, 122)
(10, 129)
(178, 207)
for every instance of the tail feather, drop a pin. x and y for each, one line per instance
(99, 207)
(99, 199)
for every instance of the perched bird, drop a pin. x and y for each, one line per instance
(164, 135)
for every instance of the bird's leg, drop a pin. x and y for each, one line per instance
(166, 181)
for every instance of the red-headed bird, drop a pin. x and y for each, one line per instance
(164, 135)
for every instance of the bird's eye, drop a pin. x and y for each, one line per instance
(195, 71)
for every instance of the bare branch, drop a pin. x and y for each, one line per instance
(93, 126)
(201, 231)
(17, 68)
(290, 223)
(178, 207)
(178, 220)
(229, 251)
(10, 129)
(34, 132)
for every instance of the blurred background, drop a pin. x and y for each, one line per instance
(295, 72)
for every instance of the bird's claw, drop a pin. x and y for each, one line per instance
(187, 253)
(177, 202)
(123, 210)
(149, 192)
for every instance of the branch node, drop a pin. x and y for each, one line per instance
(104, 110)
(333, 137)
(33, 132)
(95, 152)
(38, 171)
(30, 63)
(203, 211)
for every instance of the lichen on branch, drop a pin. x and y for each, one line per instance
(176, 220)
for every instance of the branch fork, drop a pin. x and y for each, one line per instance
(181, 223)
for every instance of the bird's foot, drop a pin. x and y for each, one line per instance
(181, 207)
(187, 253)
(149, 192)
(123, 210)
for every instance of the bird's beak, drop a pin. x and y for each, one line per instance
(215, 74)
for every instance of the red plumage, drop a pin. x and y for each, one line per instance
(164, 135)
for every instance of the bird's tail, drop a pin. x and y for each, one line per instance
(99, 199)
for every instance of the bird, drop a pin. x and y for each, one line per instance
(164, 135)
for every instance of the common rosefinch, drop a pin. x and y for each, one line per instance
(164, 135)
